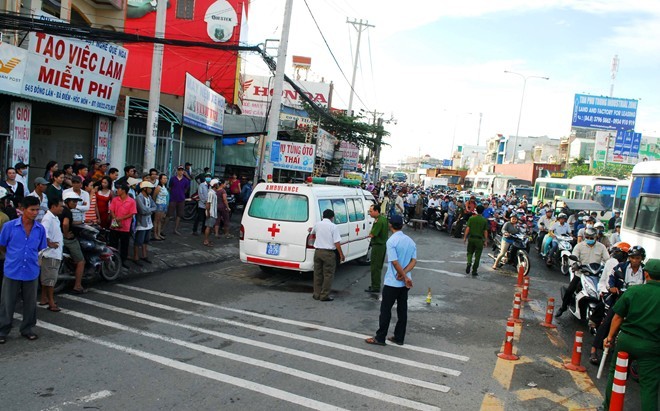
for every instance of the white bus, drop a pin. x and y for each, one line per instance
(641, 215)
(487, 184)
(602, 189)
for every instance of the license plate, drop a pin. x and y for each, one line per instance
(273, 249)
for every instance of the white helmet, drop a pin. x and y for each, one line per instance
(77, 156)
(71, 195)
(599, 225)
(214, 182)
(3, 193)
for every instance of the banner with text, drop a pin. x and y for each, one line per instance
(325, 145)
(13, 61)
(103, 139)
(82, 74)
(604, 112)
(203, 108)
(19, 132)
(258, 91)
(350, 153)
(288, 155)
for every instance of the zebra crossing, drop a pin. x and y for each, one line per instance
(333, 361)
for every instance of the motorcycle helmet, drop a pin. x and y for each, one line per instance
(620, 251)
(562, 215)
(637, 250)
(71, 196)
(78, 157)
(590, 232)
(623, 246)
(599, 226)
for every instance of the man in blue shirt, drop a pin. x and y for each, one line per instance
(21, 240)
(402, 257)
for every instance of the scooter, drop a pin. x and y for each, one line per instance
(585, 298)
(435, 218)
(563, 253)
(100, 259)
(518, 253)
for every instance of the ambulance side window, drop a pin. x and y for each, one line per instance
(338, 206)
(355, 209)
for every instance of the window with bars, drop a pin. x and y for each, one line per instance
(185, 9)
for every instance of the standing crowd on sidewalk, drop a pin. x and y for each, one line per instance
(41, 221)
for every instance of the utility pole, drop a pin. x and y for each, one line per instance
(614, 70)
(479, 129)
(266, 168)
(360, 27)
(151, 139)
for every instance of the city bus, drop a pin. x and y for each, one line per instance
(488, 184)
(641, 214)
(602, 189)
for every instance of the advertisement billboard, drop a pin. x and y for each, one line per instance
(604, 112)
(12, 67)
(203, 108)
(350, 154)
(288, 155)
(209, 21)
(103, 126)
(325, 145)
(258, 90)
(20, 123)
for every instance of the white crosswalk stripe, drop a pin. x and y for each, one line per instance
(374, 382)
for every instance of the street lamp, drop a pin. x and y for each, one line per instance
(522, 100)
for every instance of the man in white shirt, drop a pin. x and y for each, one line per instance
(399, 206)
(21, 173)
(83, 206)
(587, 252)
(327, 241)
(51, 256)
(545, 223)
(558, 228)
(40, 185)
(211, 211)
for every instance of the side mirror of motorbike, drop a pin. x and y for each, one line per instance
(602, 213)
(572, 258)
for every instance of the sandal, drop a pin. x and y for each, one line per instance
(30, 336)
(373, 341)
(42, 304)
(54, 309)
(593, 358)
(209, 244)
(79, 290)
(3, 340)
(394, 340)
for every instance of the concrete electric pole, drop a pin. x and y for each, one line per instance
(151, 139)
(266, 168)
(360, 27)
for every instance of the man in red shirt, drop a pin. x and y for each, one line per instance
(122, 210)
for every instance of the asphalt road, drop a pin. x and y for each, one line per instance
(229, 336)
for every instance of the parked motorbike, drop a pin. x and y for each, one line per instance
(436, 217)
(458, 227)
(585, 298)
(100, 259)
(563, 253)
(518, 253)
(190, 207)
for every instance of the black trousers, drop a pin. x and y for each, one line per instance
(390, 296)
(11, 290)
(568, 295)
(200, 218)
(120, 240)
(603, 330)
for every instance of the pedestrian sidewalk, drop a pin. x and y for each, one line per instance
(186, 250)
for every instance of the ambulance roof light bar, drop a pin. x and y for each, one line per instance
(333, 181)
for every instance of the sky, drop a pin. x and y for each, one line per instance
(438, 68)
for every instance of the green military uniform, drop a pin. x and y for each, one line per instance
(475, 242)
(378, 250)
(640, 336)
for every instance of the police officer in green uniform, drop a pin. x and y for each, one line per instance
(378, 237)
(637, 315)
(476, 235)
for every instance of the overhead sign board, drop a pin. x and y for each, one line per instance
(288, 155)
(203, 108)
(604, 112)
(258, 91)
(350, 153)
(325, 145)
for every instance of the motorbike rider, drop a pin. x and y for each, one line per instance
(588, 223)
(509, 229)
(546, 221)
(626, 274)
(587, 252)
(558, 228)
(602, 238)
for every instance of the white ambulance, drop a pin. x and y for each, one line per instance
(278, 220)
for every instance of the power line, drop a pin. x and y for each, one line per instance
(332, 54)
